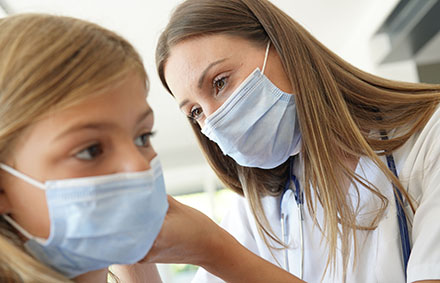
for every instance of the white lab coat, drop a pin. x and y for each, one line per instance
(379, 253)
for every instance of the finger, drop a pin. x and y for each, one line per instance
(172, 200)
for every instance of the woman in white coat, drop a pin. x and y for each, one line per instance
(338, 168)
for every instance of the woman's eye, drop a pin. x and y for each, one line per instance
(196, 113)
(144, 139)
(90, 152)
(219, 84)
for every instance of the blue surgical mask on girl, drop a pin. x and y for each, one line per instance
(98, 221)
(256, 126)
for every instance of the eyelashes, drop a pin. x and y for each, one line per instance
(144, 139)
(95, 150)
(195, 113)
(219, 84)
(90, 152)
(215, 89)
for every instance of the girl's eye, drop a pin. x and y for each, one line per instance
(144, 139)
(90, 153)
(219, 84)
(196, 113)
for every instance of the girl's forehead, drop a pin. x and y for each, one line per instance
(118, 106)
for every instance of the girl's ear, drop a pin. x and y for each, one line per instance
(5, 206)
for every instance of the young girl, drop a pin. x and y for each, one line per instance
(339, 168)
(81, 187)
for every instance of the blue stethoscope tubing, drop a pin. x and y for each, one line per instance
(401, 216)
(403, 223)
(299, 198)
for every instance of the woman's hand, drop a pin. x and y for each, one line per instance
(187, 236)
(184, 238)
(136, 273)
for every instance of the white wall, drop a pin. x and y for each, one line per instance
(2, 12)
(347, 27)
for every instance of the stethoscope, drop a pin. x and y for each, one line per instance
(286, 196)
(299, 198)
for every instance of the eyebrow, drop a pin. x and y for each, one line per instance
(183, 103)
(202, 78)
(100, 125)
(203, 75)
(144, 115)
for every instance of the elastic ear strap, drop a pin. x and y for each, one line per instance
(265, 57)
(22, 230)
(22, 176)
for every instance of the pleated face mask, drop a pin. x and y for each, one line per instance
(256, 126)
(98, 221)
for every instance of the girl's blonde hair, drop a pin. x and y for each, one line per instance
(338, 108)
(50, 62)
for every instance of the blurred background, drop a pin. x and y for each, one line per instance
(396, 39)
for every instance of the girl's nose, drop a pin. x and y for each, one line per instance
(132, 159)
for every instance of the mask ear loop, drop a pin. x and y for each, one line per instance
(265, 57)
(23, 231)
(11, 221)
(22, 176)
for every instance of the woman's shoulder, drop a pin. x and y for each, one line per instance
(426, 141)
(420, 155)
(425, 138)
(422, 179)
(433, 124)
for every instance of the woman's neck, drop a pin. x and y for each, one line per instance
(351, 164)
(95, 276)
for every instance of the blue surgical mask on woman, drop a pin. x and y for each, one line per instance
(256, 126)
(98, 221)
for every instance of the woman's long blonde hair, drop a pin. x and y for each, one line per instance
(49, 62)
(338, 108)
